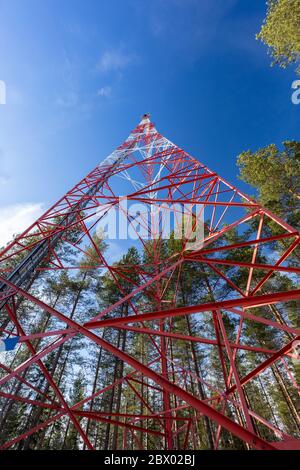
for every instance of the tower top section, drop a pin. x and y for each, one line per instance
(145, 118)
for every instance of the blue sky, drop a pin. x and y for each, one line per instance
(79, 74)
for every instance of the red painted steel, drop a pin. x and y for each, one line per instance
(156, 172)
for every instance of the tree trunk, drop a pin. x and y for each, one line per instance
(39, 411)
(289, 402)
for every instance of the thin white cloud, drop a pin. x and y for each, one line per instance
(71, 72)
(3, 180)
(105, 91)
(167, 21)
(16, 218)
(15, 96)
(115, 60)
(68, 100)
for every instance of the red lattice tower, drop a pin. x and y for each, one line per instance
(155, 171)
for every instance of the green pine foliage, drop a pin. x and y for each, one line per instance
(280, 31)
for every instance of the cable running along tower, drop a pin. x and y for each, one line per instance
(188, 360)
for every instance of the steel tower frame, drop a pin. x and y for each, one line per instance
(169, 175)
